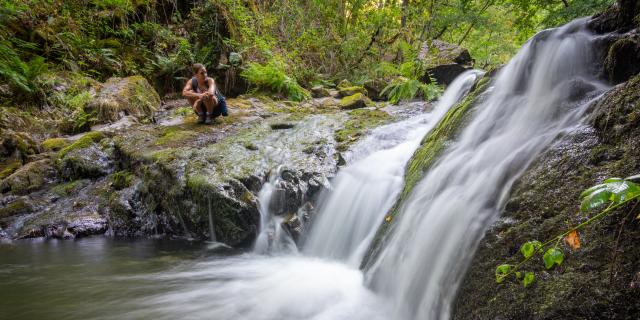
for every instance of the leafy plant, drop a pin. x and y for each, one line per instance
(614, 193)
(403, 88)
(272, 77)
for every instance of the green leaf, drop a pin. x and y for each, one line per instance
(614, 190)
(502, 271)
(553, 256)
(518, 274)
(529, 248)
(529, 277)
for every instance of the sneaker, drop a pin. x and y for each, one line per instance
(201, 117)
(209, 119)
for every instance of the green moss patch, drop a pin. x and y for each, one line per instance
(19, 206)
(175, 135)
(359, 121)
(54, 144)
(84, 141)
(122, 179)
(355, 101)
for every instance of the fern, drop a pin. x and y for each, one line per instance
(403, 88)
(272, 77)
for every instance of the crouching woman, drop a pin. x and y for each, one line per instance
(200, 90)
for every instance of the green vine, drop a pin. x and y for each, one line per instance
(615, 192)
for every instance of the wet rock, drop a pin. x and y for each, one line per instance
(89, 162)
(29, 177)
(446, 73)
(355, 101)
(295, 222)
(18, 206)
(120, 97)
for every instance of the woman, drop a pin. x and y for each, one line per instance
(200, 90)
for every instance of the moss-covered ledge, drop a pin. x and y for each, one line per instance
(544, 203)
(430, 149)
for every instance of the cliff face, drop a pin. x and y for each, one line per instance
(591, 283)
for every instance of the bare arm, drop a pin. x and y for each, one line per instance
(212, 87)
(188, 92)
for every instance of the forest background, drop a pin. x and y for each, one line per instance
(279, 45)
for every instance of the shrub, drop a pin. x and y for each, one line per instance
(272, 77)
(402, 88)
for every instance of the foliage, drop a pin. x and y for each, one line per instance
(403, 88)
(272, 77)
(614, 192)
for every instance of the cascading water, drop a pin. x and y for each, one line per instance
(542, 92)
(272, 237)
(364, 191)
(325, 283)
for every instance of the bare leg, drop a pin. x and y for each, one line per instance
(210, 103)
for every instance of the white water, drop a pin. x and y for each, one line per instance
(422, 262)
(349, 215)
(325, 283)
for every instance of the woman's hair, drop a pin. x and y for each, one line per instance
(196, 67)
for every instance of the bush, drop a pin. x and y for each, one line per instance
(272, 77)
(403, 88)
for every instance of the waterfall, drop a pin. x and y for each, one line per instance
(543, 91)
(362, 193)
(272, 237)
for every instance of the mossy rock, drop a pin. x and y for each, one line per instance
(320, 92)
(83, 142)
(122, 179)
(358, 123)
(124, 96)
(54, 144)
(29, 178)
(11, 141)
(9, 167)
(344, 84)
(623, 60)
(355, 101)
(350, 91)
(19, 206)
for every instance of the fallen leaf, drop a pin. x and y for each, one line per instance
(387, 218)
(573, 240)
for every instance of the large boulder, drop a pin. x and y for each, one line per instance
(120, 97)
(444, 61)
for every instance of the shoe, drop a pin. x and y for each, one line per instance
(208, 119)
(201, 117)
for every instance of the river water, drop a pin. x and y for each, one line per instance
(543, 91)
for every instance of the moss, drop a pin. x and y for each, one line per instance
(69, 188)
(359, 121)
(355, 101)
(132, 95)
(9, 168)
(175, 135)
(183, 111)
(28, 178)
(54, 144)
(84, 141)
(19, 206)
(122, 179)
(349, 91)
(622, 60)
